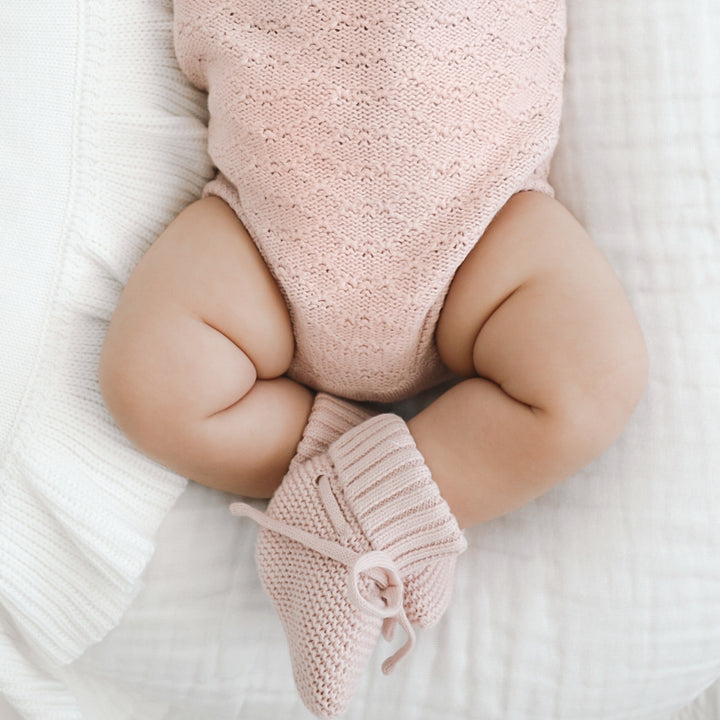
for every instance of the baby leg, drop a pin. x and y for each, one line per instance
(539, 323)
(194, 356)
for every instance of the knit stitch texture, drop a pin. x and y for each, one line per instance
(429, 591)
(366, 146)
(380, 508)
(329, 419)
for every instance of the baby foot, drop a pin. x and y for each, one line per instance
(341, 536)
(332, 417)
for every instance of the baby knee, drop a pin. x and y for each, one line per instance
(124, 388)
(591, 415)
(620, 388)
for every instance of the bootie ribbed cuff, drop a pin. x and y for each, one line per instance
(330, 417)
(355, 541)
(388, 488)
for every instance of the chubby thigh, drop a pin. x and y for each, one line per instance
(539, 324)
(193, 356)
(538, 311)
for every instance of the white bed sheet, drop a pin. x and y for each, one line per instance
(601, 600)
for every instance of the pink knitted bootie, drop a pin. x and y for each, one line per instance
(330, 418)
(341, 536)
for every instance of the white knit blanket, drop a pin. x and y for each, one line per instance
(121, 596)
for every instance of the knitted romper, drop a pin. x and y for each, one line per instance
(366, 145)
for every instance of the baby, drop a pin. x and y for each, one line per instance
(380, 222)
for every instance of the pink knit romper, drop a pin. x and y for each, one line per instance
(366, 145)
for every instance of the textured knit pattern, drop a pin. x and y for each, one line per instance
(330, 640)
(428, 585)
(330, 418)
(366, 147)
(79, 508)
(390, 491)
(386, 496)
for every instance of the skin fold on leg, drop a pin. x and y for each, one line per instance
(555, 362)
(192, 364)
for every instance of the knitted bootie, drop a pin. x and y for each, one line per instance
(341, 535)
(330, 418)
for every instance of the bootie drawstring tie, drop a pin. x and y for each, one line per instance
(374, 564)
